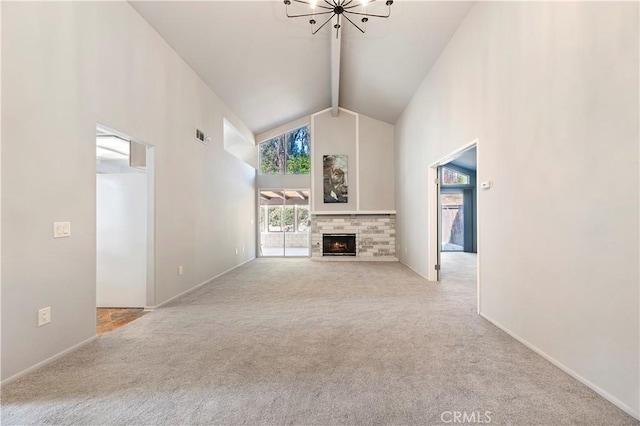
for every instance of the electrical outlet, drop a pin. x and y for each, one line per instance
(180, 270)
(44, 316)
(243, 249)
(236, 252)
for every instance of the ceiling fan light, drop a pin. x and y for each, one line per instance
(287, 2)
(389, 2)
(312, 21)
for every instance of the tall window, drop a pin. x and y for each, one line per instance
(286, 154)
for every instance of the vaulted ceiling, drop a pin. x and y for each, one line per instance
(269, 69)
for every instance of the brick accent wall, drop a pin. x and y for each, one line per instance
(375, 235)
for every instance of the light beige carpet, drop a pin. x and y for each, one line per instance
(290, 341)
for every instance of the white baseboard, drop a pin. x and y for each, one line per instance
(606, 395)
(426, 278)
(47, 361)
(197, 286)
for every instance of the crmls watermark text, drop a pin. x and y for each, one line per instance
(464, 417)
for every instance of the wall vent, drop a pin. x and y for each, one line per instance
(201, 137)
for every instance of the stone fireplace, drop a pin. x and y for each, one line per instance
(355, 237)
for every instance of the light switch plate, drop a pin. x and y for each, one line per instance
(61, 229)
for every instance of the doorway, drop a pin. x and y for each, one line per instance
(284, 221)
(124, 228)
(453, 211)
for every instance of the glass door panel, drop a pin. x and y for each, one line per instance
(271, 227)
(452, 221)
(284, 219)
(296, 222)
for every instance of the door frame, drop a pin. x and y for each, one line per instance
(151, 211)
(433, 213)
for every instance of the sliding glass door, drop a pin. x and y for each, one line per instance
(284, 222)
(271, 233)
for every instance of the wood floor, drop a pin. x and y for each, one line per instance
(109, 319)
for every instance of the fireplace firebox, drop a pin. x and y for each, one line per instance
(338, 244)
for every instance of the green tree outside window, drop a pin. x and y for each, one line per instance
(287, 154)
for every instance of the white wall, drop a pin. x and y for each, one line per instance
(551, 91)
(334, 136)
(121, 240)
(376, 157)
(292, 125)
(1, 132)
(66, 67)
(368, 144)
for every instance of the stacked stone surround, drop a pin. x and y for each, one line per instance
(375, 235)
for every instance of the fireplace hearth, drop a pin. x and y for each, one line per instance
(338, 244)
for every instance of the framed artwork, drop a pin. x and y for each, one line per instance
(335, 182)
